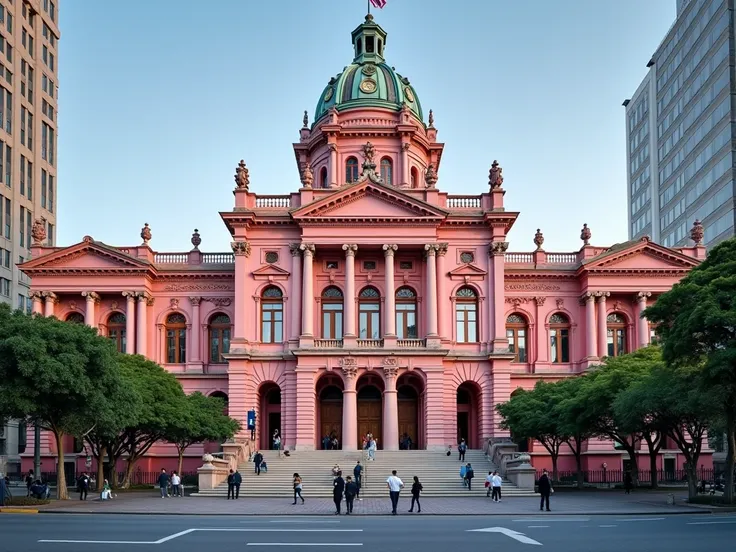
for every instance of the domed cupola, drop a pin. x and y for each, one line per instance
(368, 81)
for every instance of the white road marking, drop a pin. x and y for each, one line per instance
(304, 544)
(641, 519)
(520, 537)
(553, 520)
(299, 521)
(537, 526)
(63, 541)
(608, 526)
(711, 522)
(174, 536)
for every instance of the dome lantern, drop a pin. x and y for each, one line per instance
(369, 40)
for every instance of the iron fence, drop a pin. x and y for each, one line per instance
(598, 477)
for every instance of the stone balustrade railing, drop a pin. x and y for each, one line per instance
(562, 258)
(518, 258)
(370, 343)
(214, 471)
(463, 202)
(171, 258)
(411, 343)
(273, 202)
(218, 258)
(511, 464)
(328, 343)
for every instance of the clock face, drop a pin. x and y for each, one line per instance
(368, 86)
(409, 94)
(328, 94)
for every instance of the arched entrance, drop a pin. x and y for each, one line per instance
(370, 407)
(468, 404)
(410, 395)
(269, 395)
(329, 395)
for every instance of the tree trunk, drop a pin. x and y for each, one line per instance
(181, 460)
(129, 465)
(731, 454)
(653, 455)
(634, 465)
(61, 491)
(101, 468)
(555, 457)
(579, 465)
(692, 480)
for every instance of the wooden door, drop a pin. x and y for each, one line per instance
(330, 420)
(370, 419)
(408, 420)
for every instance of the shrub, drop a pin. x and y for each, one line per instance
(25, 501)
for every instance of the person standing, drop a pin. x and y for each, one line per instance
(29, 481)
(462, 449)
(83, 485)
(489, 484)
(230, 485)
(469, 475)
(358, 474)
(416, 488)
(545, 489)
(297, 488)
(496, 482)
(628, 482)
(176, 484)
(372, 446)
(338, 488)
(351, 490)
(237, 481)
(163, 483)
(258, 460)
(394, 485)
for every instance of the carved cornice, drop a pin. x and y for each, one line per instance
(183, 287)
(240, 248)
(531, 286)
(219, 301)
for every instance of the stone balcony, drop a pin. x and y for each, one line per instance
(370, 343)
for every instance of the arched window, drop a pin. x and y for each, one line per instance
(406, 313)
(219, 330)
(616, 326)
(466, 315)
(116, 330)
(559, 338)
(323, 178)
(369, 313)
(176, 339)
(414, 177)
(387, 170)
(332, 300)
(76, 317)
(272, 315)
(516, 332)
(351, 170)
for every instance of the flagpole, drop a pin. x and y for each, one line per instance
(369, 6)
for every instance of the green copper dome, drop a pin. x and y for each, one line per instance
(368, 81)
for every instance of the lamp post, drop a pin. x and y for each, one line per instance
(605, 467)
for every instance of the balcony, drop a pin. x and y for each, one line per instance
(463, 202)
(370, 343)
(273, 202)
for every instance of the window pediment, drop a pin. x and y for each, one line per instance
(468, 273)
(271, 273)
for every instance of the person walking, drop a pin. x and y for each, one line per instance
(416, 488)
(297, 488)
(469, 475)
(628, 482)
(163, 483)
(83, 486)
(231, 485)
(176, 485)
(545, 489)
(29, 482)
(358, 475)
(237, 481)
(351, 491)
(462, 449)
(258, 460)
(496, 482)
(372, 446)
(338, 488)
(394, 485)
(489, 483)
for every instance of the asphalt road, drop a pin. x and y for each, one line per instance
(404, 533)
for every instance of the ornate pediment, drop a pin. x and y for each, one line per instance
(468, 273)
(640, 256)
(369, 202)
(271, 273)
(86, 257)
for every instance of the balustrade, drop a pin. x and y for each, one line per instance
(273, 202)
(171, 258)
(518, 258)
(370, 343)
(562, 258)
(218, 258)
(463, 202)
(328, 343)
(411, 343)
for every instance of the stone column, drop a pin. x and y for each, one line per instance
(142, 334)
(130, 322)
(496, 300)
(349, 335)
(442, 299)
(333, 165)
(431, 289)
(602, 326)
(405, 181)
(296, 290)
(89, 312)
(196, 323)
(308, 293)
(642, 323)
(50, 300)
(349, 405)
(390, 406)
(241, 250)
(390, 302)
(37, 296)
(591, 351)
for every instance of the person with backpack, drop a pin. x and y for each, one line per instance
(545, 489)
(462, 448)
(469, 475)
(416, 488)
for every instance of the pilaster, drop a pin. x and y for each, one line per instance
(350, 339)
(305, 406)
(130, 322)
(390, 405)
(389, 334)
(307, 337)
(195, 364)
(497, 252)
(296, 294)
(241, 251)
(602, 326)
(442, 300)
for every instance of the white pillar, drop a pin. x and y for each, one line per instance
(390, 303)
(602, 324)
(643, 323)
(431, 290)
(143, 300)
(296, 285)
(89, 311)
(350, 249)
(130, 322)
(308, 291)
(50, 300)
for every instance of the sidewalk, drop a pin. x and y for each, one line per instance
(645, 503)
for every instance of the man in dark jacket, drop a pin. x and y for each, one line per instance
(358, 474)
(257, 461)
(469, 475)
(461, 449)
(338, 488)
(231, 485)
(545, 489)
(82, 486)
(351, 491)
(163, 483)
(237, 480)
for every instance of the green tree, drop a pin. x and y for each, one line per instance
(532, 415)
(574, 424)
(203, 419)
(58, 373)
(696, 321)
(162, 404)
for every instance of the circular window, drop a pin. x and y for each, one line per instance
(467, 257)
(272, 257)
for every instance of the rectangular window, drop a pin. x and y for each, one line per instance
(51, 193)
(8, 217)
(29, 305)
(52, 11)
(6, 255)
(5, 287)
(8, 163)
(22, 229)
(30, 87)
(44, 140)
(24, 38)
(21, 302)
(51, 145)
(8, 112)
(23, 111)
(45, 31)
(29, 179)
(43, 188)
(29, 225)
(30, 46)
(22, 175)
(50, 235)
(45, 55)
(29, 133)
(51, 61)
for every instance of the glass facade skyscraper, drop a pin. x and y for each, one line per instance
(680, 134)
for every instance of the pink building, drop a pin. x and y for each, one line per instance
(367, 300)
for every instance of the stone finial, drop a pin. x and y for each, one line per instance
(538, 239)
(146, 234)
(495, 176)
(242, 180)
(306, 119)
(196, 240)
(585, 234)
(38, 232)
(697, 232)
(307, 176)
(431, 119)
(430, 176)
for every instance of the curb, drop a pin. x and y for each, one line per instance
(18, 511)
(548, 514)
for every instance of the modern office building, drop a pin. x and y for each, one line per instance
(29, 40)
(679, 131)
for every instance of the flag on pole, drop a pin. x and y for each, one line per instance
(378, 3)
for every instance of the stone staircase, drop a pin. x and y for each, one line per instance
(438, 473)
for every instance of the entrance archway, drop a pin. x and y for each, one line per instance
(269, 395)
(329, 395)
(410, 395)
(370, 407)
(468, 404)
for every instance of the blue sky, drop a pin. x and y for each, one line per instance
(160, 99)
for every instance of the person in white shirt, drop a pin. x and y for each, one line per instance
(176, 484)
(496, 486)
(394, 485)
(489, 483)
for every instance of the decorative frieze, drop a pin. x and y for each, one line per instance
(182, 287)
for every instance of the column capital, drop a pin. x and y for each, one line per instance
(589, 296)
(389, 249)
(601, 295)
(307, 248)
(332, 146)
(36, 295)
(349, 249)
(498, 248)
(91, 296)
(195, 301)
(442, 249)
(431, 249)
(390, 367)
(294, 249)
(349, 367)
(240, 248)
(130, 295)
(50, 296)
(642, 296)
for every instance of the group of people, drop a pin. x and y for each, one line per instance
(330, 442)
(467, 474)
(370, 444)
(493, 485)
(174, 481)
